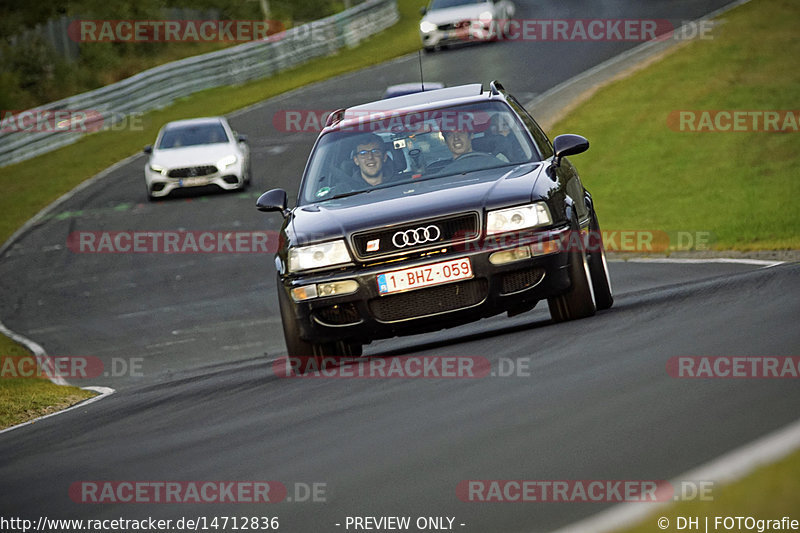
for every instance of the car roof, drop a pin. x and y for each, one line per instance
(435, 99)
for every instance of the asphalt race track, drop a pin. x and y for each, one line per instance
(595, 403)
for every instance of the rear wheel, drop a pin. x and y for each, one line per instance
(598, 267)
(579, 301)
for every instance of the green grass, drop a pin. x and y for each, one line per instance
(769, 493)
(23, 399)
(741, 186)
(32, 185)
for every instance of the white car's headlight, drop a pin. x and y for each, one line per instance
(225, 162)
(427, 27)
(318, 256)
(486, 16)
(517, 218)
(158, 169)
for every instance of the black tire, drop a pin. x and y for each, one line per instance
(295, 346)
(579, 301)
(248, 177)
(313, 355)
(598, 268)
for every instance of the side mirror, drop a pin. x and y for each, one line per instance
(148, 149)
(274, 200)
(568, 144)
(423, 11)
(241, 138)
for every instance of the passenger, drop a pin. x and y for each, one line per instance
(505, 146)
(499, 125)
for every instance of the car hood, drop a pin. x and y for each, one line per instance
(457, 14)
(418, 201)
(203, 154)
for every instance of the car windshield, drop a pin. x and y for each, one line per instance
(193, 135)
(381, 150)
(443, 4)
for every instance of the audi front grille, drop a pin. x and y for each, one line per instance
(414, 236)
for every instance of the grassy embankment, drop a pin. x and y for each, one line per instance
(738, 185)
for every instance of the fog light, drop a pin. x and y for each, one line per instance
(337, 287)
(509, 256)
(306, 292)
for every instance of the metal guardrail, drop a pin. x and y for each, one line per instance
(157, 87)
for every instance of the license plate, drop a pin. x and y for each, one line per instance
(192, 182)
(424, 276)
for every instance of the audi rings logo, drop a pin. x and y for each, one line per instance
(410, 237)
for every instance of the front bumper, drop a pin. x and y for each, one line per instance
(160, 185)
(469, 32)
(366, 315)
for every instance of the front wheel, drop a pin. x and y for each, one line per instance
(579, 302)
(598, 267)
(311, 355)
(295, 346)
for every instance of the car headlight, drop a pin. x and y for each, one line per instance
(158, 169)
(517, 218)
(226, 162)
(318, 256)
(427, 27)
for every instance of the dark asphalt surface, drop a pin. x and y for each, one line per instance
(598, 403)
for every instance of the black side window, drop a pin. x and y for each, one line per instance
(542, 142)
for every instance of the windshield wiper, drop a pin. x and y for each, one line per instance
(352, 193)
(364, 191)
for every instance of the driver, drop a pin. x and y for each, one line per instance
(370, 158)
(459, 142)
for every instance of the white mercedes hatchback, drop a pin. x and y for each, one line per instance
(460, 21)
(197, 153)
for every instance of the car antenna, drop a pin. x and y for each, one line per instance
(421, 79)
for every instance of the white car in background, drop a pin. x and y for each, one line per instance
(459, 21)
(198, 152)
